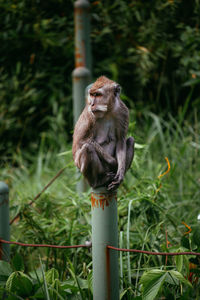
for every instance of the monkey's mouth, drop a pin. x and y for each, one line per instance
(99, 108)
(94, 110)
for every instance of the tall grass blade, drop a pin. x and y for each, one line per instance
(45, 283)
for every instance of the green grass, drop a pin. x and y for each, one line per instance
(149, 208)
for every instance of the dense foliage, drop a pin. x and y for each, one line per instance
(36, 65)
(150, 47)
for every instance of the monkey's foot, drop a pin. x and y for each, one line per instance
(109, 178)
(115, 183)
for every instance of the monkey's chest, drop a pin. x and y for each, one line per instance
(105, 133)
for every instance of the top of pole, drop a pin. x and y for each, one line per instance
(102, 190)
(82, 4)
(3, 188)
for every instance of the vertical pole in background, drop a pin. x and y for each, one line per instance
(82, 72)
(104, 232)
(4, 221)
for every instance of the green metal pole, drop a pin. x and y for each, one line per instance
(83, 57)
(4, 221)
(104, 232)
(81, 79)
(82, 73)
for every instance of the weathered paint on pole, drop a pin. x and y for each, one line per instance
(83, 57)
(82, 73)
(4, 221)
(104, 232)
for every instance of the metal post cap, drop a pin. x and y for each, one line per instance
(3, 188)
(82, 4)
(81, 72)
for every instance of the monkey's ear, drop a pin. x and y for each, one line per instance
(117, 89)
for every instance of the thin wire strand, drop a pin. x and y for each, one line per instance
(153, 253)
(44, 245)
(109, 247)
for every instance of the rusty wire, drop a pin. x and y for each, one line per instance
(89, 245)
(153, 253)
(44, 245)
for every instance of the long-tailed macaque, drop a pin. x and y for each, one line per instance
(100, 148)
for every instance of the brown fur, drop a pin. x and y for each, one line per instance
(102, 151)
(100, 82)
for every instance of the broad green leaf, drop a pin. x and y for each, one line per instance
(180, 277)
(68, 286)
(51, 275)
(171, 280)
(19, 283)
(152, 282)
(83, 283)
(179, 262)
(5, 271)
(180, 259)
(5, 268)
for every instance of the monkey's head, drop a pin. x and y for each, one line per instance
(102, 96)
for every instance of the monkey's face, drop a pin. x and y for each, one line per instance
(98, 103)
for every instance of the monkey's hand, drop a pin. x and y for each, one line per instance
(116, 182)
(110, 177)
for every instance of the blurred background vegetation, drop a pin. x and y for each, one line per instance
(150, 47)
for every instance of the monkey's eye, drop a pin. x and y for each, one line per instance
(95, 94)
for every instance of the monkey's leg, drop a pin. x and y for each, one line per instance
(105, 157)
(95, 170)
(129, 152)
(88, 157)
